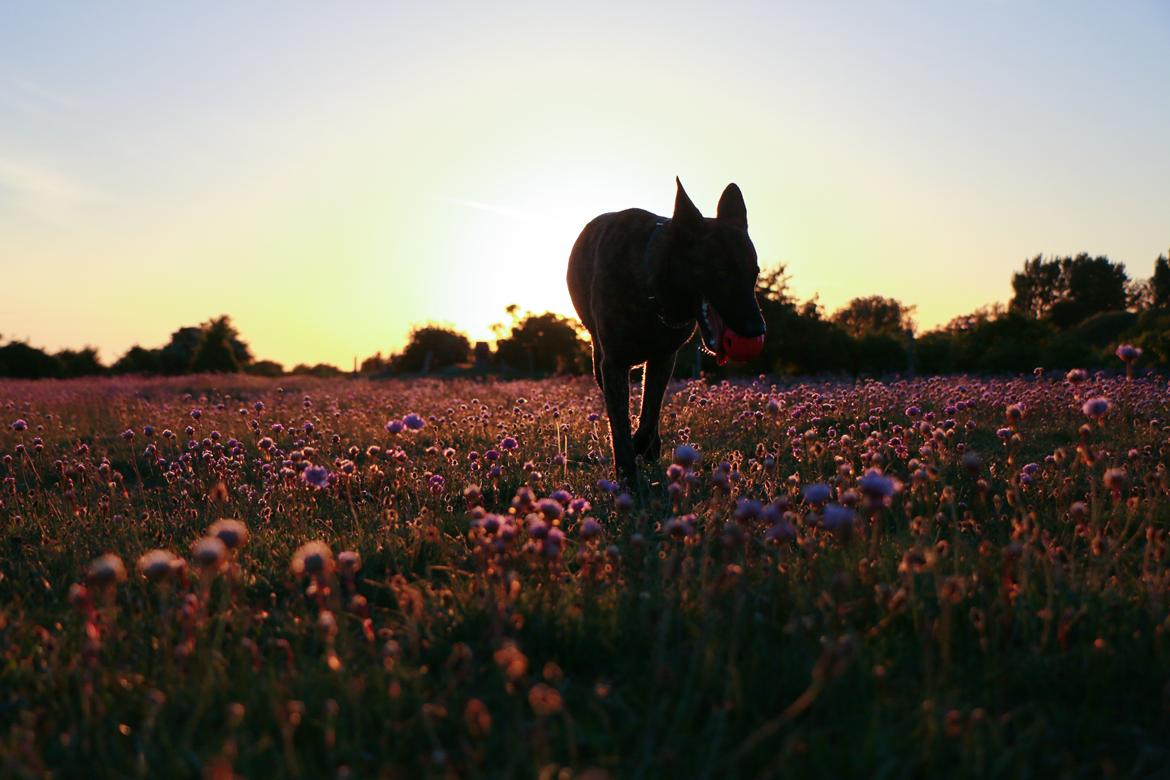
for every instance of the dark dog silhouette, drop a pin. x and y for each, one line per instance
(641, 283)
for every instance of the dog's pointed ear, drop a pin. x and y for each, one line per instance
(687, 217)
(731, 208)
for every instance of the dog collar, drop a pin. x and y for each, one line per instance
(650, 276)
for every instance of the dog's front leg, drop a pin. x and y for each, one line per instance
(656, 377)
(616, 379)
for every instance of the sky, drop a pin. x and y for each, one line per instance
(330, 174)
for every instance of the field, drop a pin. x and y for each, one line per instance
(943, 577)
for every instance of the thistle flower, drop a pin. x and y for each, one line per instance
(233, 533)
(1096, 408)
(158, 565)
(817, 494)
(209, 553)
(838, 519)
(314, 558)
(686, 456)
(317, 476)
(1128, 352)
(105, 570)
(349, 562)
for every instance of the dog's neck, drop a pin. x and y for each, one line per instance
(652, 259)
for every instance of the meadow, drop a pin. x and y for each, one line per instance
(937, 577)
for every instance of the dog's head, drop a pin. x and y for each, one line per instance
(714, 265)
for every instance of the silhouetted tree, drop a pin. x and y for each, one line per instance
(1068, 290)
(432, 347)
(178, 354)
(138, 360)
(264, 368)
(875, 315)
(18, 359)
(1160, 284)
(324, 370)
(80, 362)
(544, 343)
(374, 364)
(215, 353)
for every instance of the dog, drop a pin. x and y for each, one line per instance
(642, 283)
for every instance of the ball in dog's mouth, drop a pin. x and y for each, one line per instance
(723, 342)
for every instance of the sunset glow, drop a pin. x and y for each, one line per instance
(330, 175)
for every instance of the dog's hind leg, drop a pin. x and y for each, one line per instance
(616, 388)
(656, 376)
(597, 367)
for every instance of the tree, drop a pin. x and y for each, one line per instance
(216, 352)
(1160, 284)
(178, 356)
(432, 347)
(1069, 290)
(138, 360)
(544, 343)
(265, 368)
(18, 359)
(875, 315)
(80, 362)
(374, 364)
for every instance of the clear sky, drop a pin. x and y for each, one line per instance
(330, 173)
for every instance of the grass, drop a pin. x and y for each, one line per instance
(952, 611)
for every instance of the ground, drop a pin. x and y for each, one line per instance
(950, 577)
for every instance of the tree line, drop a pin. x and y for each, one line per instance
(1065, 312)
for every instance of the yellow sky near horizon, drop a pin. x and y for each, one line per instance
(330, 179)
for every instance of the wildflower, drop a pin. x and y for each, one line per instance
(158, 564)
(477, 718)
(349, 562)
(550, 508)
(128, 434)
(414, 422)
(314, 558)
(877, 486)
(545, 699)
(233, 533)
(1096, 408)
(509, 443)
(512, 662)
(1115, 480)
(106, 570)
(1015, 413)
(209, 553)
(19, 426)
(817, 494)
(1128, 352)
(317, 476)
(838, 519)
(686, 456)
(395, 426)
(590, 529)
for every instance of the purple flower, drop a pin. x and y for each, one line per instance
(20, 425)
(838, 519)
(817, 494)
(413, 422)
(1096, 408)
(875, 484)
(686, 456)
(1128, 352)
(317, 476)
(394, 426)
(509, 443)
